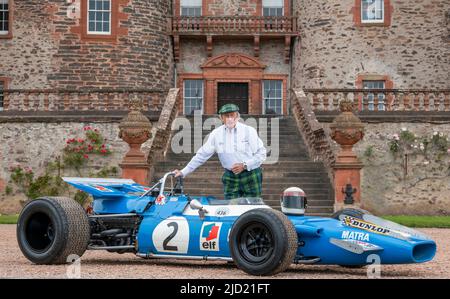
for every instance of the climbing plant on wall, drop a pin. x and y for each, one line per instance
(75, 156)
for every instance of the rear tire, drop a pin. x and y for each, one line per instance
(263, 242)
(50, 229)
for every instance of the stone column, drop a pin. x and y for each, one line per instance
(135, 129)
(347, 129)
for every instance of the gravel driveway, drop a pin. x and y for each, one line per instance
(99, 264)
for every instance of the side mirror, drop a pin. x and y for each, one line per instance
(195, 205)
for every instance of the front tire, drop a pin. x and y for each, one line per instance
(50, 229)
(263, 242)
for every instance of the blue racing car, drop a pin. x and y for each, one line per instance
(161, 222)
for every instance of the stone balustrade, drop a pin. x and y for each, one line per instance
(81, 100)
(162, 131)
(380, 99)
(286, 25)
(316, 139)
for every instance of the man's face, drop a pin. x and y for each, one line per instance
(230, 115)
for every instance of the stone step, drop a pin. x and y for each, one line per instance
(268, 131)
(315, 211)
(270, 176)
(214, 171)
(311, 197)
(281, 156)
(284, 143)
(269, 135)
(311, 193)
(311, 203)
(269, 189)
(283, 150)
(286, 119)
(192, 180)
(214, 162)
(267, 173)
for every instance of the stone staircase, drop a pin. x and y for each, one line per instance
(294, 168)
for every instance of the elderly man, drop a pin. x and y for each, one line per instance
(241, 153)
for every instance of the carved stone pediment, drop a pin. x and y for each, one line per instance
(233, 60)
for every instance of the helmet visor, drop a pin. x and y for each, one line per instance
(294, 202)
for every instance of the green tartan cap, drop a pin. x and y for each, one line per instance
(228, 108)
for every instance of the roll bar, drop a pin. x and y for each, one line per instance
(162, 184)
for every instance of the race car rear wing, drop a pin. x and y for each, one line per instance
(103, 187)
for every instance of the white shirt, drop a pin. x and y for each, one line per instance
(237, 145)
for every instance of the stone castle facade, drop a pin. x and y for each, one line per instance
(155, 45)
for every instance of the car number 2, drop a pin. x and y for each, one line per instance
(172, 235)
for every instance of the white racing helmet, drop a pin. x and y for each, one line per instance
(293, 201)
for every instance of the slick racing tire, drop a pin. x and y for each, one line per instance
(352, 212)
(53, 230)
(263, 242)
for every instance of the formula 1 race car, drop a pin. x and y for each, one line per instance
(159, 223)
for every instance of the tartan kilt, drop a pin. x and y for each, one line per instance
(244, 184)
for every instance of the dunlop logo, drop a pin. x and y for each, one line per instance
(361, 224)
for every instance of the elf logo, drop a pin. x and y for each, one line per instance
(209, 236)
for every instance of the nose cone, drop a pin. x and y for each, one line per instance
(423, 252)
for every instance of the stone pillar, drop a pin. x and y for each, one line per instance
(135, 129)
(347, 129)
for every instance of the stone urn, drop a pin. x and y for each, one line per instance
(347, 130)
(135, 129)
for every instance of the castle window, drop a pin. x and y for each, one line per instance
(99, 17)
(372, 11)
(273, 96)
(273, 8)
(4, 17)
(191, 8)
(193, 96)
(375, 84)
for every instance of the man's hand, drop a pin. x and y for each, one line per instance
(237, 168)
(178, 173)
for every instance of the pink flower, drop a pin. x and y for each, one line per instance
(103, 151)
(80, 140)
(87, 128)
(396, 137)
(86, 156)
(448, 151)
